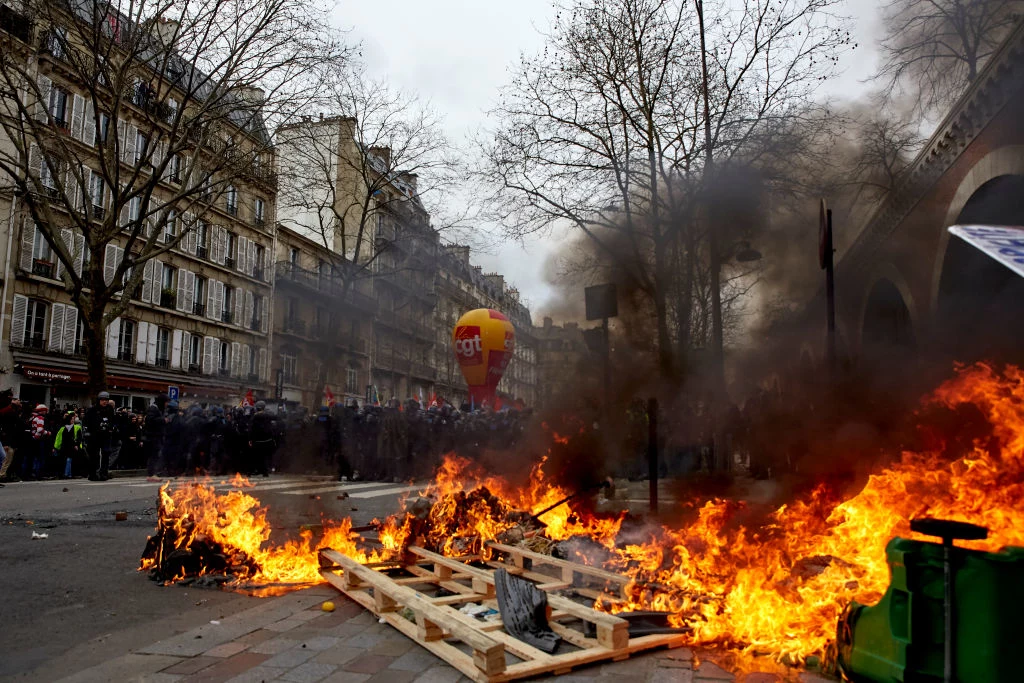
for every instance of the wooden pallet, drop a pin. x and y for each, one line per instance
(482, 650)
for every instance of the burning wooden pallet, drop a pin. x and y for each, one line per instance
(481, 650)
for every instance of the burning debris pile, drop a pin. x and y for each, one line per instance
(778, 588)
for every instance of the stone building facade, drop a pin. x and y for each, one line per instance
(200, 319)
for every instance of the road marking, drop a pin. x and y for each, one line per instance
(339, 486)
(387, 492)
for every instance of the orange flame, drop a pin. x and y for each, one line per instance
(778, 588)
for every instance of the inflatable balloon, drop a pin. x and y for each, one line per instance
(484, 341)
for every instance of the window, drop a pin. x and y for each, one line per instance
(56, 39)
(96, 195)
(225, 357)
(174, 169)
(194, 352)
(258, 255)
(288, 368)
(199, 306)
(42, 256)
(168, 294)
(163, 347)
(47, 168)
(126, 340)
(257, 312)
(172, 109)
(231, 200)
(102, 129)
(258, 210)
(202, 238)
(141, 146)
(254, 360)
(230, 245)
(59, 108)
(320, 322)
(229, 304)
(293, 256)
(171, 227)
(79, 336)
(35, 323)
(351, 381)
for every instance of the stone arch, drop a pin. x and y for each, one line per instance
(887, 325)
(887, 275)
(979, 303)
(1004, 161)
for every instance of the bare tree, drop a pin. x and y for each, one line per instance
(354, 180)
(932, 49)
(123, 123)
(608, 132)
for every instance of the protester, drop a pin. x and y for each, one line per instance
(69, 444)
(32, 467)
(103, 438)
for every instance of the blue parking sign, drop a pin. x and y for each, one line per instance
(172, 393)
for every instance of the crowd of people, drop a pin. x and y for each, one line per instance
(395, 440)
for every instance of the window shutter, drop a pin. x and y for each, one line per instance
(264, 315)
(263, 365)
(28, 238)
(128, 144)
(176, 336)
(219, 303)
(244, 369)
(190, 291)
(18, 320)
(208, 355)
(151, 344)
(69, 241)
(113, 332)
(236, 360)
(239, 306)
(83, 198)
(109, 263)
(89, 124)
(43, 106)
(219, 244)
(211, 298)
(249, 305)
(79, 253)
(186, 348)
(147, 280)
(56, 327)
(141, 330)
(77, 118)
(179, 302)
(240, 256)
(70, 328)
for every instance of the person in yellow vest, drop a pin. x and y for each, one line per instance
(69, 443)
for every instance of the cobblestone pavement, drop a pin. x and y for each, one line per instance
(291, 639)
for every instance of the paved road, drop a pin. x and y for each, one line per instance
(76, 598)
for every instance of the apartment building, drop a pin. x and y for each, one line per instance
(323, 325)
(199, 319)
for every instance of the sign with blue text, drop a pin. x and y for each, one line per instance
(1001, 242)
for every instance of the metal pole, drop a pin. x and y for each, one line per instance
(607, 372)
(652, 452)
(830, 295)
(947, 572)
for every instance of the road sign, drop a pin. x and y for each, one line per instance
(1002, 243)
(172, 393)
(602, 301)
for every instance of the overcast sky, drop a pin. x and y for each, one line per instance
(457, 54)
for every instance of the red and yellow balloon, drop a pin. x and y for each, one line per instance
(484, 341)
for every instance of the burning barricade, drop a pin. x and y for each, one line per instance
(776, 589)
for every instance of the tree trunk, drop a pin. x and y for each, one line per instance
(95, 344)
(685, 302)
(665, 363)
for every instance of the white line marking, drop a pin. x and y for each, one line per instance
(340, 486)
(385, 492)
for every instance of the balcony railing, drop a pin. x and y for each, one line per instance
(229, 262)
(35, 341)
(201, 251)
(424, 371)
(254, 324)
(195, 369)
(168, 299)
(42, 268)
(163, 362)
(295, 326)
(328, 284)
(198, 308)
(227, 317)
(126, 355)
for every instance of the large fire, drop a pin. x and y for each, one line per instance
(778, 588)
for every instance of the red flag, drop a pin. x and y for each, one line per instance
(328, 396)
(497, 403)
(433, 401)
(249, 400)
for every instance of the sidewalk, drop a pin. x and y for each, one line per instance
(290, 638)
